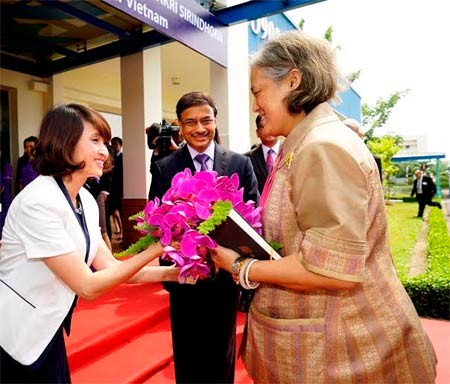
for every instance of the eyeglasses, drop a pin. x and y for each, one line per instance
(207, 121)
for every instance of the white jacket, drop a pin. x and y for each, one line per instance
(33, 301)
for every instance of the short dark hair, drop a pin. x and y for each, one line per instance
(193, 99)
(60, 131)
(118, 139)
(32, 139)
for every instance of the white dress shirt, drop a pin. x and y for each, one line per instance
(208, 151)
(275, 148)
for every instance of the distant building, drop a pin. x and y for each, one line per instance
(413, 144)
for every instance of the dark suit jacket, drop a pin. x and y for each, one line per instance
(115, 197)
(428, 188)
(380, 168)
(96, 186)
(21, 162)
(259, 166)
(225, 164)
(203, 316)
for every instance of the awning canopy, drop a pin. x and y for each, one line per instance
(418, 157)
(44, 37)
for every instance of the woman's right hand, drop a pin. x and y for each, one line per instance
(223, 257)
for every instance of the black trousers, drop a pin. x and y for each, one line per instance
(424, 201)
(203, 321)
(51, 367)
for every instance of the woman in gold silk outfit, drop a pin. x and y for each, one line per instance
(332, 309)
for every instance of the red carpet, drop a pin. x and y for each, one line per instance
(124, 337)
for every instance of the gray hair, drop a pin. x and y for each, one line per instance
(313, 57)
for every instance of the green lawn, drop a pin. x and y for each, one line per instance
(404, 228)
(429, 291)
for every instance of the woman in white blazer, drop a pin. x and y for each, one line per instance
(50, 239)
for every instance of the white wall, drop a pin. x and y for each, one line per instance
(31, 107)
(115, 122)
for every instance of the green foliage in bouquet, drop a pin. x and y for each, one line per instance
(220, 212)
(275, 245)
(143, 243)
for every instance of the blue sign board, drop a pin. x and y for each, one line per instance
(184, 20)
(350, 105)
(263, 29)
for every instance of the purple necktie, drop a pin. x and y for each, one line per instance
(202, 158)
(270, 159)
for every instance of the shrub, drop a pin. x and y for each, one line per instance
(430, 291)
(430, 295)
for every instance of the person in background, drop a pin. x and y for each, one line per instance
(332, 309)
(6, 173)
(203, 316)
(108, 188)
(100, 188)
(356, 127)
(163, 146)
(50, 240)
(25, 172)
(116, 195)
(424, 189)
(263, 155)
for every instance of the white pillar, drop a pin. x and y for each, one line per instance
(141, 105)
(56, 91)
(140, 77)
(230, 90)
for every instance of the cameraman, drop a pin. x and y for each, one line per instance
(163, 139)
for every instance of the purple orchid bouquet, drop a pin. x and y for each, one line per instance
(192, 207)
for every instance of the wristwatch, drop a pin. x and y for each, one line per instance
(236, 268)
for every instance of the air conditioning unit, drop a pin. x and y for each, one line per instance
(38, 86)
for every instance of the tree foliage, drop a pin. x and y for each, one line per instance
(386, 147)
(353, 76)
(328, 36)
(376, 116)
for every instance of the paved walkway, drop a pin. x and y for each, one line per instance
(419, 254)
(418, 260)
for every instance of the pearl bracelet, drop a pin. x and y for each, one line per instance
(243, 275)
(247, 281)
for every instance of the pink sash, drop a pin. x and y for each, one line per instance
(269, 182)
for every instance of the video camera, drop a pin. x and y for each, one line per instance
(159, 137)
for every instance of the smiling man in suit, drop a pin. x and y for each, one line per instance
(203, 315)
(263, 156)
